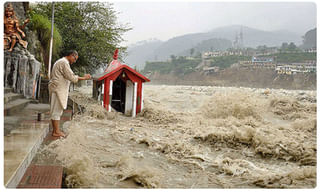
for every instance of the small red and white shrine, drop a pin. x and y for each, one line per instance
(120, 87)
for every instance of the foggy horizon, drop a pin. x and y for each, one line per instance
(166, 20)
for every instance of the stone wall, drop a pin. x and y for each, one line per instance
(21, 72)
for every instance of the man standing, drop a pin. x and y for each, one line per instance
(59, 83)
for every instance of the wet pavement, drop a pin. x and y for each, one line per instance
(22, 137)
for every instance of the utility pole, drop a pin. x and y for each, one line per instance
(51, 42)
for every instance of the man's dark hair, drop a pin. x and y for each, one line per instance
(71, 52)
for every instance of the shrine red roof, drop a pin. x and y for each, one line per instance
(121, 67)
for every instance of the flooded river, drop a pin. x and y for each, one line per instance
(194, 137)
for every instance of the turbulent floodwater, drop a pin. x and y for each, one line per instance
(194, 137)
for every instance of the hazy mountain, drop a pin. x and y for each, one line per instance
(181, 45)
(255, 37)
(141, 52)
(214, 44)
(177, 45)
(310, 39)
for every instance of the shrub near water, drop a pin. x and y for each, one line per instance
(42, 25)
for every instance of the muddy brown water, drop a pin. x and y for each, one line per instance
(193, 137)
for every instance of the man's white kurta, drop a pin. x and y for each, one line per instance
(59, 83)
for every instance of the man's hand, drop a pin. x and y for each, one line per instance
(87, 76)
(26, 21)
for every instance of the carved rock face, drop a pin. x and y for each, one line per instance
(19, 9)
(21, 71)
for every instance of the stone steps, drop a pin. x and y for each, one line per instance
(44, 172)
(8, 90)
(15, 106)
(20, 146)
(23, 135)
(11, 97)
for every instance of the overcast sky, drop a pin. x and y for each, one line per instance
(164, 20)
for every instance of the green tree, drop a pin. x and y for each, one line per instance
(42, 26)
(91, 28)
(226, 61)
(284, 46)
(262, 48)
(310, 39)
(191, 51)
(295, 57)
(173, 57)
(292, 46)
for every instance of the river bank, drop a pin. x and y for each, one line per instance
(234, 77)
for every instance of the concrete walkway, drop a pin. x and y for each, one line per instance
(23, 136)
(44, 171)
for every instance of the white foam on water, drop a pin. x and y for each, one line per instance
(194, 137)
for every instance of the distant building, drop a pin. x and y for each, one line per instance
(267, 51)
(294, 68)
(311, 50)
(263, 62)
(210, 70)
(235, 52)
(242, 52)
(262, 59)
(209, 54)
(245, 64)
(258, 62)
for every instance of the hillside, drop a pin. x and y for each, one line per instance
(139, 53)
(214, 44)
(251, 37)
(255, 37)
(181, 45)
(258, 78)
